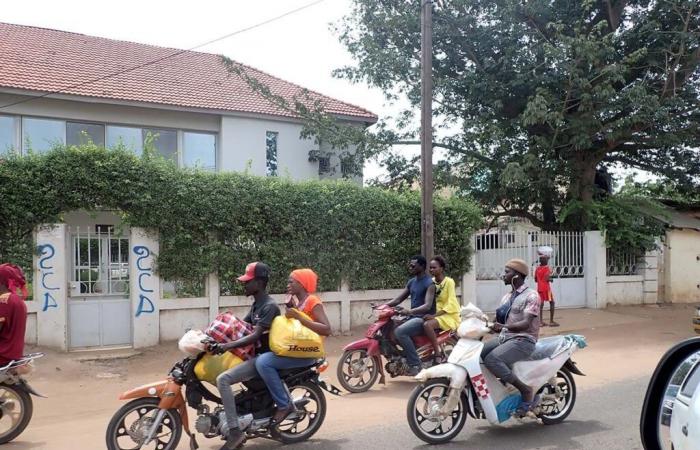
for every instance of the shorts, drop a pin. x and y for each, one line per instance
(546, 296)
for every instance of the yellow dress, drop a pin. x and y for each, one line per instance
(447, 301)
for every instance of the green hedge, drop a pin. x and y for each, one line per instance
(218, 222)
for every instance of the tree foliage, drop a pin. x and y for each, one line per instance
(216, 223)
(532, 97)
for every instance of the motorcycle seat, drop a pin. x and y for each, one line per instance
(546, 347)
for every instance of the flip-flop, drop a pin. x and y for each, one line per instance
(526, 407)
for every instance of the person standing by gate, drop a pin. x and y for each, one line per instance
(543, 278)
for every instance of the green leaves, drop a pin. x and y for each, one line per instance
(219, 222)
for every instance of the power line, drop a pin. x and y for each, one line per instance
(172, 55)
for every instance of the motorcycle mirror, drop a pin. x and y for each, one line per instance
(671, 400)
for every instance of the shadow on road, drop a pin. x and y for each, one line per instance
(324, 444)
(528, 435)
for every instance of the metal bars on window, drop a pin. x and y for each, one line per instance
(623, 263)
(100, 262)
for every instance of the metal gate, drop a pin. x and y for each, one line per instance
(99, 309)
(494, 249)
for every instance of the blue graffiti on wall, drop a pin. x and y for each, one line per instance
(47, 252)
(145, 303)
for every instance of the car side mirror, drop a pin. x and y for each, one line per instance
(667, 419)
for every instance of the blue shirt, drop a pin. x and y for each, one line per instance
(418, 287)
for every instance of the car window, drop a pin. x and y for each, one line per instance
(691, 382)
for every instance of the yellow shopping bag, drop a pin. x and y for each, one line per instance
(211, 366)
(288, 337)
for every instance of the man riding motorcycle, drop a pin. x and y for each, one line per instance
(517, 321)
(261, 315)
(422, 291)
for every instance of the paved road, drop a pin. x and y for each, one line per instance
(603, 418)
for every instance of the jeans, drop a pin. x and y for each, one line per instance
(499, 358)
(242, 372)
(404, 334)
(268, 365)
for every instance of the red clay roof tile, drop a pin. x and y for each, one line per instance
(45, 60)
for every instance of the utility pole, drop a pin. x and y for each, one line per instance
(426, 135)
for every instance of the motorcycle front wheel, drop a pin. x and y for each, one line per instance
(304, 423)
(131, 423)
(423, 412)
(16, 409)
(357, 371)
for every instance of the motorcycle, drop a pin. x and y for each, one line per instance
(361, 362)
(16, 406)
(438, 407)
(157, 413)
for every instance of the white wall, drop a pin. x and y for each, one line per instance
(625, 290)
(243, 148)
(682, 266)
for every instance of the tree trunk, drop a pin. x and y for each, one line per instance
(581, 190)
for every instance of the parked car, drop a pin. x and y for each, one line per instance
(685, 421)
(667, 406)
(669, 422)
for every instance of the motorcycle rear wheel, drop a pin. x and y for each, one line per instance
(19, 419)
(420, 411)
(312, 416)
(119, 432)
(347, 371)
(555, 411)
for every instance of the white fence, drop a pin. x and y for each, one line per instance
(493, 250)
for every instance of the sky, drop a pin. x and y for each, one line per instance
(299, 48)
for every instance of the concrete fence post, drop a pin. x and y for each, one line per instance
(214, 294)
(144, 287)
(51, 265)
(345, 312)
(650, 272)
(595, 273)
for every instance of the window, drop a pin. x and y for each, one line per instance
(164, 141)
(129, 138)
(85, 133)
(41, 135)
(199, 150)
(324, 165)
(691, 382)
(7, 134)
(271, 152)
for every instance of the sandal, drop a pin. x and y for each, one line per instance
(439, 358)
(526, 407)
(281, 414)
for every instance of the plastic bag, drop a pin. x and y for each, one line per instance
(228, 328)
(288, 337)
(545, 250)
(191, 343)
(211, 366)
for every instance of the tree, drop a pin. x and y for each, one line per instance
(535, 96)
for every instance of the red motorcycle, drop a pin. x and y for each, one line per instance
(361, 362)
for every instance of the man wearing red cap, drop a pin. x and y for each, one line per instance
(261, 315)
(13, 313)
